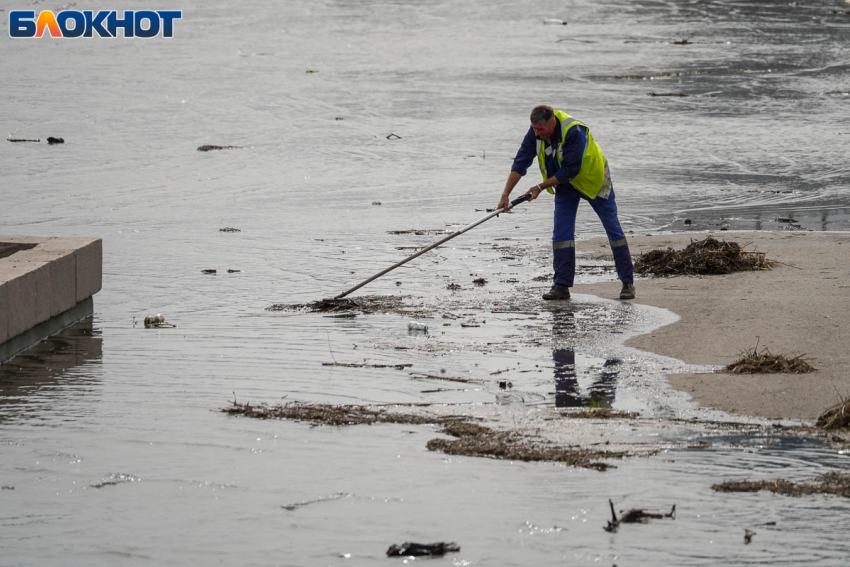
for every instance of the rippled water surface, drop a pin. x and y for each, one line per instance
(113, 451)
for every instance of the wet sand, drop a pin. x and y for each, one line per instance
(800, 307)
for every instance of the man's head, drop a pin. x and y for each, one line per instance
(543, 121)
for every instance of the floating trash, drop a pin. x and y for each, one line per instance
(417, 327)
(408, 549)
(554, 22)
(157, 322)
(211, 147)
(51, 140)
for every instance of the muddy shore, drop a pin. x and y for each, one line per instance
(800, 307)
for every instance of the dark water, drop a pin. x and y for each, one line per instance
(112, 448)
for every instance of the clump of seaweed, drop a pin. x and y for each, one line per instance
(471, 439)
(830, 483)
(602, 413)
(837, 417)
(326, 414)
(367, 304)
(703, 257)
(755, 362)
(478, 441)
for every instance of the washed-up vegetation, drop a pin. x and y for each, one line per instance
(212, 147)
(836, 417)
(830, 483)
(469, 439)
(763, 362)
(364, 304)
(602, 413)
(703, 257)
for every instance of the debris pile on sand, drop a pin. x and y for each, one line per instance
(830, 483)
(601, 413)
(470, 439)
(754, 362)
(837, 417)
(707, 256)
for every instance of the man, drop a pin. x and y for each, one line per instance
(573, 169)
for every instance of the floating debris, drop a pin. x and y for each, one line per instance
(553, 22)
(210, 147)
(365, 304)
(309, 71)
(364, 365)
(470, 439)
(113, 479)
(376, 202)
(157, 322)
(668, 94)
(837, 417)
(229, 229)
(505, 385)
(419, 231)
(446, 378)
(634, 516)
(831, 483)
(453, 286)
(786, 219)
(327, 414)
(707, 256)
(682, 42)
(645, 77)
(420, 327)
(408, 549)
(393, 137)
(232, 271)
(22, 140)
(754, 362)
(478, 441)
(479, 281)
(51, 140)
(748, 536)
(602, 413)
(335, 496)
(209, 271)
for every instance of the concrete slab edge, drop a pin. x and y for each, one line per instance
(33, 336)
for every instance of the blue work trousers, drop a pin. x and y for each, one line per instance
(563, 236)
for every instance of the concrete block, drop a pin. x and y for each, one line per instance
(4, 310)
(28, 288)
(62, 274)
(89, 268)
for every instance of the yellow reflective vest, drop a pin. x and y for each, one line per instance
(591, 178)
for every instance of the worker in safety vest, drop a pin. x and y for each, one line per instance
(573, 168)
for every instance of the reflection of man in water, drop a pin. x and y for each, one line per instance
(573, 168)
(601, 393)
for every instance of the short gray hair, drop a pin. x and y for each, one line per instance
(542, 113)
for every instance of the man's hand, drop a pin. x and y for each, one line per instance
(504, 202)
(534, 192)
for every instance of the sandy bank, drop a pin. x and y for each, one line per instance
(799, 307)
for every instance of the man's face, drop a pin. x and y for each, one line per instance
(544, 130)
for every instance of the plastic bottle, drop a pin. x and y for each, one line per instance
(414, 326)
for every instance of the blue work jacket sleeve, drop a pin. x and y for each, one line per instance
(573, 152)
(526, 154)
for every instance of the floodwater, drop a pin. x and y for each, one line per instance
(113, 451)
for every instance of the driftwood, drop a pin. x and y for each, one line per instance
(634, 516)
(408, 549)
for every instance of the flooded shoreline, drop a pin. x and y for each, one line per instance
(355, 133)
